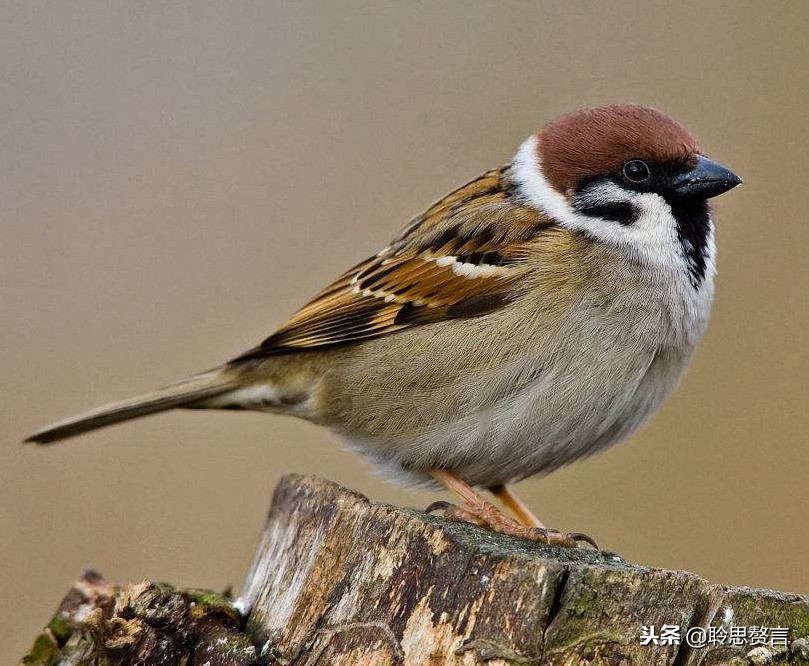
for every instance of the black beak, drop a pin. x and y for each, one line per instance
(707, 179)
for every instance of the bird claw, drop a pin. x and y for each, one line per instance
(563, 539)
(584, 538)
(440, 505)
(456, 514)
(503, 525)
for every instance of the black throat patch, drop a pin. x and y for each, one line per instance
(693, 228)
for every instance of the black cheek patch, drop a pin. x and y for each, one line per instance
(622, 212)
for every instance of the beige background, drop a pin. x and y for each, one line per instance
(177, 178)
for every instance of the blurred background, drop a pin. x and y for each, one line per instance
(177, 178)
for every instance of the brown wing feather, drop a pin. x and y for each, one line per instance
(460, 258)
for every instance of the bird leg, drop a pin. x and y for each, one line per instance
(479, 511)
(526, 517)
(513, 503)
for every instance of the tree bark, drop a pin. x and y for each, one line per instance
(339, 580)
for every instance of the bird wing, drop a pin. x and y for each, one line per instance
(463, 257)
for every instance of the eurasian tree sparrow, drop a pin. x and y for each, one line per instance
(534, 316)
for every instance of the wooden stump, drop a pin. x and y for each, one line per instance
(339, 580)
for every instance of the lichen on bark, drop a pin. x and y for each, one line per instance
(148, 624)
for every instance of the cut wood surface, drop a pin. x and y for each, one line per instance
(339, 580)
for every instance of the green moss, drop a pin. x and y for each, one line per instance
(585, 599)
(213, 603)
(61, 628)
(44, 651)
(770, 608)
(225, 646)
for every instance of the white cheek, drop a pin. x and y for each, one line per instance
(653, 233)
(651, 238)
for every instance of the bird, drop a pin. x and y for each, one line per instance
(532, 317)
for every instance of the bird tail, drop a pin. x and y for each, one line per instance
(184, 393)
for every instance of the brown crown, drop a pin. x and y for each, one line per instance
(596, 142)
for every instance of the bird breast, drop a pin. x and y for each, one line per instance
(520, 391)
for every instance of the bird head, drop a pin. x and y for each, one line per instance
(626, 175)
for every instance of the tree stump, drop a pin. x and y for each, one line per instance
(339, 580)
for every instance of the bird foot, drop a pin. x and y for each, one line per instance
(486, 515)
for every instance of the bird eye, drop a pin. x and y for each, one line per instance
(636, 171)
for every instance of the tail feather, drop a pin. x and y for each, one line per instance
(181, 394)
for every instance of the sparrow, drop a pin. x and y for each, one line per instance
(534, 316)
